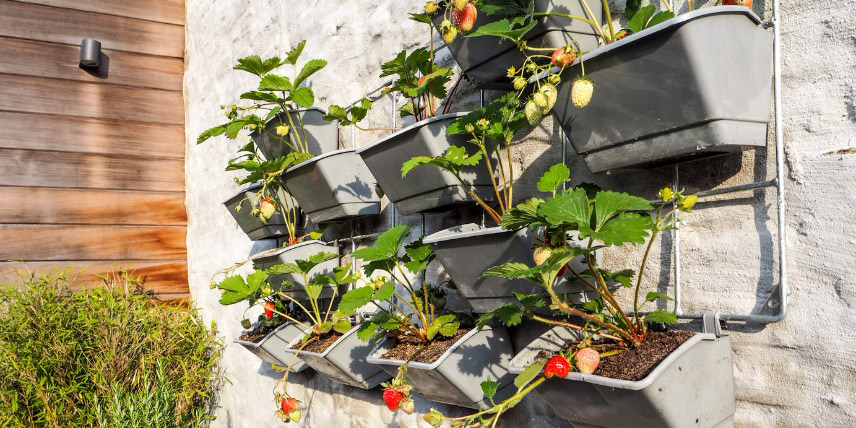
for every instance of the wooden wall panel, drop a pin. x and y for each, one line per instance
(168, 11)
(68, 98)
(31, 58)
(160, 277)
(67, 26)
(24, 205)
(91, 243)
(84, 135)
(32, 168)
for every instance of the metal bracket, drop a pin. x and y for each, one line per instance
(711, 324)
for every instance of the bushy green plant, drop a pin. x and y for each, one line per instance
(89, 358)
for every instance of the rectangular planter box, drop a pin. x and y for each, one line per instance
(694, 86)
(272, 348)
(456, 377)
(692, 387)
(251, 225)
(486, 59)
(321, 136)
(333, 186)
(467, 251)
(290, 254)
(427, 188)
(344, 361)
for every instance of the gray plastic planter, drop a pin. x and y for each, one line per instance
(456, 377)
(344, 361)
(425, 188)
(321, 136)
(272, 348)
(333, 186)
(292, 253)
(694, 86)
(486, 59)
(692, 387)
(467, 251)
(251, 225)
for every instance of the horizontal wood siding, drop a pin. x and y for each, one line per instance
(92, 161)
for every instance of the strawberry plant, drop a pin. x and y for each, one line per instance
(602, 219)
(270, 114)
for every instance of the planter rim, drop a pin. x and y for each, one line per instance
(242, 191)
(449, 235)
(259, 343)
(422, 366)
(329, 348)
(294, 110)
(673, 22)
(317, 158)
(416, 125)
(631, 384)
(289, 248)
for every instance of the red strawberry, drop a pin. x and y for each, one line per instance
(557, 366)
(466, 18)
(289, 405)
(269, 310)
(747, 3)
(421, 81)
(563, 57)
(392, 398)
(587, 360)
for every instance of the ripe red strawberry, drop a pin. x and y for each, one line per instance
(289, 405)
(392, 398)
(747, 3)
(563, 57)
(557, 366)
(466, 18)
(269, 310)
(421, 81)
(587, 360)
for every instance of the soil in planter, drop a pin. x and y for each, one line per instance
(637, 362)
(257, 334)
(406, 346)
(321, 344)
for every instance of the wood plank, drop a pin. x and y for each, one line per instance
(91, 243)
(51, 24)
(67, 98)
(159, 277)
(22, 205)
(84, 135)
(31, 58)
(168, 11)
(30, 168)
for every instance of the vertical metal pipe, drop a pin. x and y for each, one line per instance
(676, 244)
(481, 97)
(394, 121)
(780, 161)
(564, 152)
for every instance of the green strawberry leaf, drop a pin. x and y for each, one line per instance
(662, 316)
(304, 97)
(355, 299)
(489, 388)
(653, 295)
(291, 56)
(609, 204)
(529, 374)
(255, 65)
(569, 207)
(523, 215)
(310, 68)
(554, 178)
(342, 326)
(367, 330)
(272, 82)
(626, 228)
(384, 293)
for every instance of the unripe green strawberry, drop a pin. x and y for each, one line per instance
(430, 8)
(460, 4)
(551, 93)
(519, 83)
(450, 34)
(282, 130)
(407, 406)
(267, 208)
(540, 101)
(554, 79)
(533, 113)
(581, 92)
(587, 360)
(294, 416)
(541, 254)
(246, 324)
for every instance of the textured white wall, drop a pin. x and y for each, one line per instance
(796, 373)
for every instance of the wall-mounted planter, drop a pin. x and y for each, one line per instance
(292, 253)
(321, 136)
(486, 59)
(692, 387)
(456, 377)
(426, 188)
(333, 186)
(467, 251)
(251, 225)
(344, 361)
(693, 86)
(272, 348)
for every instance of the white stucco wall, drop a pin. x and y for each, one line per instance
(800, 372)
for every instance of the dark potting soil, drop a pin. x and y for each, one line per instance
(257, 334)
(406, 346)
(321, 344)
(638, 361)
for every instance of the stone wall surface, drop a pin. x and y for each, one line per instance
(800, 372)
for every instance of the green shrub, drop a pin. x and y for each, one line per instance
(103, 357)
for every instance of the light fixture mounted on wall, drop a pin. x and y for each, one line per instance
(90, 53)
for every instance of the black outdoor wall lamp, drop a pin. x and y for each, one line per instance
(90, 53)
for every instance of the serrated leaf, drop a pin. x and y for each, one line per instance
(640, 18)
(255, 65)
(653, 295)
(420, 17)
(531, 301)
(553, 179)
(384, 292)
(662, 316)
(417, 250)
(386, 246)
(608, 204)
(432, 331)
(234, 289)
(342, 326)
(660, 17)
(522, 215)
(273, 82)
(325, 327)
(513, 270)
(292, 55)
(569, 207)
(314, 290)
(627, 228)
(212, 132)
(510, 315)
(282, 269)
(529, 374)
(489, 388)
(355, 299)
(367, 330)
(310, 68)
(450, 329)
(304, 97)
(233, 128)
